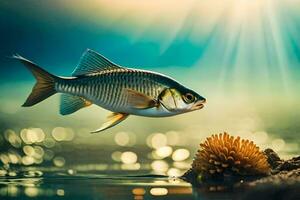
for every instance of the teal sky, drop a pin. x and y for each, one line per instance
(243, 56)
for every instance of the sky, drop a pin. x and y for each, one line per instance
(243, 56)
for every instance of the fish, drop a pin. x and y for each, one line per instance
(123, 91)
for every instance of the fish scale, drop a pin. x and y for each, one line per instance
(108, 86)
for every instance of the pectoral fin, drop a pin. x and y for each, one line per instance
(139, 100)
(112, 120)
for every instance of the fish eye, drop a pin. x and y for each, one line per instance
(189, 98)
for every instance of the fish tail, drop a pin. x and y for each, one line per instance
(45, 85)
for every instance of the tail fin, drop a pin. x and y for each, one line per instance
(45, 85)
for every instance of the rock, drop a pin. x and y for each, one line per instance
(289, 165)
(273, 158)
(283, 177)
(282, 183)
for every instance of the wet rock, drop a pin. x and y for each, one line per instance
(283, 177)
(289, 165)
(273, 158)
(282, 183)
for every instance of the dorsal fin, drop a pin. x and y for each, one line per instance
(70, 104)
(92, 62)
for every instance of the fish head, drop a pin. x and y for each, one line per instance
(181, 100)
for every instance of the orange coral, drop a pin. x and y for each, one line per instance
(222, 153)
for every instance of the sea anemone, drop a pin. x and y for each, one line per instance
(222, 154)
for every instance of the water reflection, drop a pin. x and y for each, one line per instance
(33, 173)
(138, 193)
(33, 155)
(60, 192)
(31, 191)
(57, 184)
(37, 162)
(132, 166)
(159, 191)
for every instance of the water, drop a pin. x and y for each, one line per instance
(84, 177)
(93, 186)
(35, 167)
(41, 169)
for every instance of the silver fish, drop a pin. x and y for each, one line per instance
(124, 91)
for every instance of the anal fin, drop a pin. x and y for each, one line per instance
(112, 120)
(70, 104)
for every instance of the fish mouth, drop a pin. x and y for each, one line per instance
(199, 104)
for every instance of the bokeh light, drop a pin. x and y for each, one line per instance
(129, 157)
(159, 191)
(163, 152)
(174, 172)
(122, 138)
(138, 191)
(278, 144)
(180, 154)
(32, 135)
(116, 156)
(62, 134)
(59, 161)
(31, 191)
(157, 140)
(125, 139)
(60, 192)
(173, 138)
(27, 160)
(12, 138)
(159, 166)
